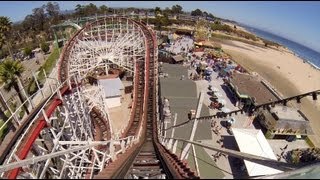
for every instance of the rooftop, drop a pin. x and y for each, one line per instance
(286, 118)
(251, 86)
(287, 113)
(177, 58)
(253, 142)
(111, 87)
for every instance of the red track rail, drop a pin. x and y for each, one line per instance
(180, 169)
(40, 123)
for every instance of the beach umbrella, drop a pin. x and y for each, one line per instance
(209, 68)
(225, 110)
(214, 89)
(232, 120)
(222, 101)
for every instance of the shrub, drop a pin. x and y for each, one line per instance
(27, 51)
(45, 47)
(270, 43)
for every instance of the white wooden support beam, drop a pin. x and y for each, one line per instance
(25, 94)
(8, 107)
(195, 159)
(112, 151)
(37, 83)
(123, 148)
(175, 144)
(45, 116)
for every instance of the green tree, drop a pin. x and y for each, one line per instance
(28, 23)
(211, 16)
(90, 9)
(103, 9)
(53, 10)
(39, 17)
(161, 21)
(176, 9)
(158, 23)
(205, 14)
(157, 11)
(167, 11)
(196, 12)
(45, 47)
(165, 20)
(5, 29)
(79, 10)
(10, 73)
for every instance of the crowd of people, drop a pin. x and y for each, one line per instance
(216, 129)
(181, 45)
(282, 154)
(203, 61)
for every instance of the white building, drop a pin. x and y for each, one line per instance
(252, 141)
(114, 90)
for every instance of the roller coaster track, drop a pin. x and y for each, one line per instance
(149, 158)
(139, 152)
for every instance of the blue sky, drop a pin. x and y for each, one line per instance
(297, 21)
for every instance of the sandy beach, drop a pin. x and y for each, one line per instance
(287, 73)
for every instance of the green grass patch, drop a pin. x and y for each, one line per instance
(4, 130)
(21, 113)
(49, 64)
(226, 37)
(7, 113)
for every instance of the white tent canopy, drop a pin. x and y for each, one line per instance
(252, 141)
(218, 94)
(222, 101)
(214, 89)
(112, 87)
(225, 110)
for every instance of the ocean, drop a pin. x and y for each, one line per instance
(307, 54)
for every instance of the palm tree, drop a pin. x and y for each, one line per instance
(5, 28)
(10, 73)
